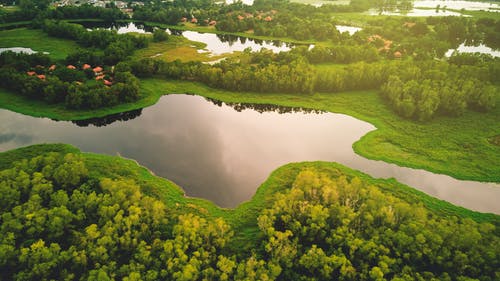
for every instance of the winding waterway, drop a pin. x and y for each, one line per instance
(216, 44)
(223, 153)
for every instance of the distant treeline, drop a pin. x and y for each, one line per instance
(38, 11)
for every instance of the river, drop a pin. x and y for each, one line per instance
(223, 153)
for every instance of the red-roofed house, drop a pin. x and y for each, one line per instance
(97, 69)
(86, 66)
(212, 23)
(397, 55)
(183, 19)
(71, 67)
(100, 77)
(31, 73)
(240, 17)
(268, 18)
(41, 76)
(52, 67)
(107, 83)
(194, 20)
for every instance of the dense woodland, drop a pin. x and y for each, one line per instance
(59, 222)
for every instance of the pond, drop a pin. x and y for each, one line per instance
(217, 44)
(346, 28)
(481, 48)
(28, 51)
(224, 152)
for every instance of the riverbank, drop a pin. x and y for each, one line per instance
(459, 147)
(243, 218)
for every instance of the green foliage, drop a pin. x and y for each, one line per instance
(440, 88)
(62, 219)
(160, 35)
(343, 229)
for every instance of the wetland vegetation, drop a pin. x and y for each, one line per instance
(70, 215)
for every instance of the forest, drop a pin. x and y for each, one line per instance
(70, 215)
(60, 221)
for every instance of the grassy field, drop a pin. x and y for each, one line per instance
(459, 147)
(243, 219)
(37, 40)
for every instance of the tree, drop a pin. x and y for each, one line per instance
(160, 35)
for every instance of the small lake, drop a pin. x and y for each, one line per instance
(481, 48)
(224, 152)
(217, 44)
(28, 51)
(346, 28)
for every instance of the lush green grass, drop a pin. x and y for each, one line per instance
(243, 219)
(14, 24)
(37, 40)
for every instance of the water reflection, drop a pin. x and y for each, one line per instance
(261, 108)
(481, 48)
(223, 153)
(216, 44)
(120, 27)
(345, 28)
(109, 119)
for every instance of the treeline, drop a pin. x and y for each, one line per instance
(38, 11)
(59, 222)
(231, 75)
(36, 77)
(422, 99)
(116, 46)
(445, 89)
(416, 90)
(171, 12)
(264, 71)
(85, 11)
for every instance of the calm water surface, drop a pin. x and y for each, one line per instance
(346, 28)
(217, 44)
(481, 48)
(222, 154)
